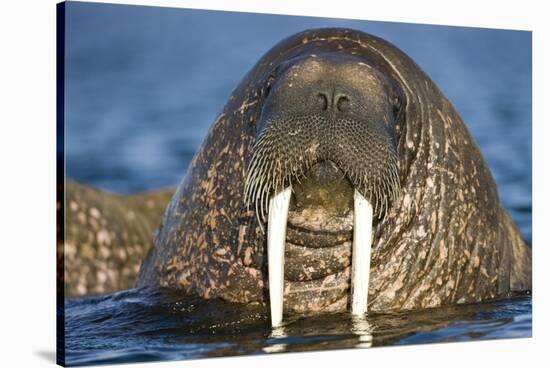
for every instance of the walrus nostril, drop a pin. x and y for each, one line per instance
(333, 101)
(322, 101)
(342, 103)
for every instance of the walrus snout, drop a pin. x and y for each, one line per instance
(333, 101)
(328, 120)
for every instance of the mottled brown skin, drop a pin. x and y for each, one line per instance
(445, 240)
(107, 236)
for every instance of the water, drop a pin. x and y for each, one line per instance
(144, 325)
(143, 86)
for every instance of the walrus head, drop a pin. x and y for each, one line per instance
(324, 167)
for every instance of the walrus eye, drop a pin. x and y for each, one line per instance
(268, 85)
(396, 103)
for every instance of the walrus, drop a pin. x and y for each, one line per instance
(338, 177)
(337, 144)
(106, 236)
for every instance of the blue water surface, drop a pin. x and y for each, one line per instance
(143, 85)
(147, 325)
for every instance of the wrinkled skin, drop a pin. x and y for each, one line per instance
(445, 239)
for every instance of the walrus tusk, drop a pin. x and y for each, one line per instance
(276, 240)
(360, 261)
